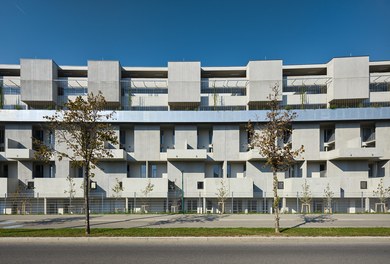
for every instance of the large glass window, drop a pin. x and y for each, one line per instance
(143, 171)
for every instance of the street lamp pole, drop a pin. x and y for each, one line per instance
(182, 192)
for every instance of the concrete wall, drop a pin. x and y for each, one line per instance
(183, 83)
(350, 78)
(37, 81)
(263, 76)
(301, 134)
(105, 76)
(147, 142)
(186, 137)
(226, 142)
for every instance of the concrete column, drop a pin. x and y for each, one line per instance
(204, 205)
(367, 208)
(44, 206)
(127, 205)
(284, 204)
(224, 169)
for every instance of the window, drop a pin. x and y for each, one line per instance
(280, 185)
(38, 171)
(229, 170)
(200, 185)
(328, 135)
(161, 137)
(128, 170)
(217, 171)
(210, 136)
(4, 170)
(363, 185)
(122, 139)
(80, 172)
(154, 171)
(2, 139)
(143, 171)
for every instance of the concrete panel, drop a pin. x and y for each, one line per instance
(186, 137)
(183, 83)
(105, 76)
(37, 82)
(382, 134)
(347, 135)
(350, 78)
(263, 76)
(307, 135)
(226, 142)
(147, 142)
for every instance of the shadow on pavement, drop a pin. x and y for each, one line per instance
(307, 219)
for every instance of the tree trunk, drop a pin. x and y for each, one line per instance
(86, 200)
(276, 202)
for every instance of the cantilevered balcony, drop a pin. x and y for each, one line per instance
(57, 187)
(354, 153)
(15, 150)
(186, 154)
(236, 187)
(132, 187)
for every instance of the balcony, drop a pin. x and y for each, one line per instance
(238, 187)
(19, 154)
(186, 154)
(132, 187)
(354, 153)
(292, 186)
(57, 187)
(253, 154)
(117, 155)
(3, 186)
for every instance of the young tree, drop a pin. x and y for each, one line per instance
(71, 192)
(83, 129)
(279, 157)
(305, 197)
(117, 189)
(328, 197)
(146, 191)
(382, 194)
(222, 194)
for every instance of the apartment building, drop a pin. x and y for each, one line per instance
(182, 128)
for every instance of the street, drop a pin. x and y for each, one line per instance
(195, 250)
(194, 220)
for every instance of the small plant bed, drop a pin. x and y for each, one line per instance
(194, 232)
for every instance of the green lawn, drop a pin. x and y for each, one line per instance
(193, 232)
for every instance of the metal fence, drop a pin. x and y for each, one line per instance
(259, 203)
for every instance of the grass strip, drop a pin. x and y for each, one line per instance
(194, 232)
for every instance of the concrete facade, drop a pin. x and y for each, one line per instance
(182, 129)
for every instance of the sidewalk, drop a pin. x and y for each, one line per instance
(194, 220)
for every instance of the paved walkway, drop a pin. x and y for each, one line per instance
(194, 220)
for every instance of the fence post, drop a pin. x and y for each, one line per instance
(135, 201)
(5, 203)
(297, 203)
(37, 208)
(44, 206)
(232, 204)
(102, 203)
(361, 203)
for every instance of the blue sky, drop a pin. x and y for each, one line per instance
(217, 33)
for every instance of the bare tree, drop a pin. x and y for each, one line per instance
(84, 129)
(145, 192)
(305, 197)
(222, 195)
(382, 194)
(71, 192)
(328, 197)
(279, 157)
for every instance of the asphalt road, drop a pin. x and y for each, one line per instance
(194, 220)
(201, 250)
